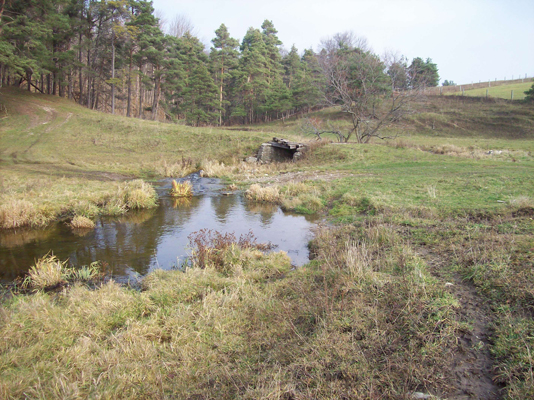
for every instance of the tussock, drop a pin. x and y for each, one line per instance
(81, 222)
(182, 189)
(269, 194)
(47, 272)
(137, 194)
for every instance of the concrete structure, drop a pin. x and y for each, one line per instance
(280, 150)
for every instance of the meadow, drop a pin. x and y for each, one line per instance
(420, 284)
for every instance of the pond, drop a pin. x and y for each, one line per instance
(144, 240)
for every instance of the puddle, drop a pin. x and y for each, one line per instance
(145, 240)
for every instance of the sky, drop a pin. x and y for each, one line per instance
(469, 40)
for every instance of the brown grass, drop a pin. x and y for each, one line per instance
(16, 213)
(269, 194)
(81, 222)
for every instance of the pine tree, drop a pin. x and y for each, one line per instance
(224, 59)
(251, 77)
(194, 93)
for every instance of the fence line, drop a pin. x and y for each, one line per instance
(439, 90)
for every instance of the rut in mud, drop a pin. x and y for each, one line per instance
(473, 365)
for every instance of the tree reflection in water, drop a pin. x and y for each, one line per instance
(148, 239)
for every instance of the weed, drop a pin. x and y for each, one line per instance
(84, 273)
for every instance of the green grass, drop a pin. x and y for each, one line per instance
(497, 92)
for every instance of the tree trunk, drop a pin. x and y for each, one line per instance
(129, 102)
(113, 72)
(155, 102)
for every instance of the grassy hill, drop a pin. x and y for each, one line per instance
(503, 91)
(421, 281)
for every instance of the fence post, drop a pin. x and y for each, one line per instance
(487, 90)
(512, 95)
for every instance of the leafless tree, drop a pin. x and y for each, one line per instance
(357, 83)
(162, 20)
(180, 25)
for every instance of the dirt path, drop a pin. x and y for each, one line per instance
(473, 364)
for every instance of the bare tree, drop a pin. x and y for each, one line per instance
(162, 20)
(181, 25)
(357, 83)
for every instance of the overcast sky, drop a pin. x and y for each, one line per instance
(469, 40)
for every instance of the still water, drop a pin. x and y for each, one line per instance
(145, 240)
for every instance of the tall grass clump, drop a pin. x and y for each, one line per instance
(138, 194)
(16, 213)
(182, 189)
(47, 272)
(268, 194)
(81, 222)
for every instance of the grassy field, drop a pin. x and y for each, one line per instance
(421, 282)
(497, 92)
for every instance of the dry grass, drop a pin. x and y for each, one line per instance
(234, 329)
(522, 202)
(81, 222)
(268, 194)
(47, 272)
(36, 202)
(182, 189)
(138, 194)
(17, 212)
(177, 169)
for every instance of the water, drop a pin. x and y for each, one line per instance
(145, 240)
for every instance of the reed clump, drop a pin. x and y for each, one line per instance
(181, 189)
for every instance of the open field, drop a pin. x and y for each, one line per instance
(499, 92)
(421, 282)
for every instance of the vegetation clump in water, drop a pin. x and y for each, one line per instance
(182, 189)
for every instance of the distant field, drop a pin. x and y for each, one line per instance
(501, 92)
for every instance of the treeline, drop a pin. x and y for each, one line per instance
(113, 56)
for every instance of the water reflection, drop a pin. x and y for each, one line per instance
(158, 238)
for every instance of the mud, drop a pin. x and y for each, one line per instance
(473, 365)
